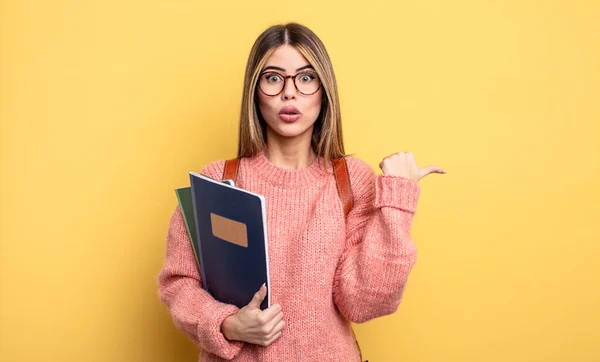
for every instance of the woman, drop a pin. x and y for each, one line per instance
(326, 269)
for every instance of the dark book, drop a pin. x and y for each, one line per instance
(231, 239)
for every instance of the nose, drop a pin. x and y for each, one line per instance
(289, 89)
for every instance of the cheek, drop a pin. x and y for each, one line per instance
(315, 105)
(265, 105)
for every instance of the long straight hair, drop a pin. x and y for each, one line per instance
(326, 139)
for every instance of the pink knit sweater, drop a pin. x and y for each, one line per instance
(325, 271)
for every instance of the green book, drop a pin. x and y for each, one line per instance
(184, 196)
(186, 205)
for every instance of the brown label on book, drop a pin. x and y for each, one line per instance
(229, 230)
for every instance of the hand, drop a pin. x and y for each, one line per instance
(253, 325)
(403, 164)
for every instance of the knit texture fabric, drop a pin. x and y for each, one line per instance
(325, 271)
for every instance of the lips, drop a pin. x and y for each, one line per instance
(289, 110)
(289, 114)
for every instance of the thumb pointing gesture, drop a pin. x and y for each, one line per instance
(403, 164)
(430, 169)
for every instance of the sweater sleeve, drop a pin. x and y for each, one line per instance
(194, 311)
(379, 255)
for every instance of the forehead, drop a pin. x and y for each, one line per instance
(286, 57)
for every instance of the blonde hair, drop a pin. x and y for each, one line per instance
(327, 132)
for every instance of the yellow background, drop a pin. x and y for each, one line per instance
(106, 105)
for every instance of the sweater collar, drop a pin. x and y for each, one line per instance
(287, 178)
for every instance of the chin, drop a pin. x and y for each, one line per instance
(291, 130)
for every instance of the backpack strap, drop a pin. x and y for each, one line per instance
(342, 181)
(340, 171)
(230, 171)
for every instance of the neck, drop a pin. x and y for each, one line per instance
(290, 153)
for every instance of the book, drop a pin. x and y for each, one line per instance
(231, 239)
(184, 199)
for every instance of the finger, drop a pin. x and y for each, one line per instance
(392, 155)
(258, 297)
(268, 314)
(268, 342)
(388, 157)
(278, 327)
(270, 326)
(431, 169)
(277, 330)
(268, 329)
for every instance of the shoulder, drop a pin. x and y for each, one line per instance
(358, 169)
(361, 174)
(214, 169)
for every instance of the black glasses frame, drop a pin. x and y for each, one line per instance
(285, 78)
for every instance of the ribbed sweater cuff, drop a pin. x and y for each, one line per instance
(396, 191)
(212, 330)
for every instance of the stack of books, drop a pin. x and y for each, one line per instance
(228, 233)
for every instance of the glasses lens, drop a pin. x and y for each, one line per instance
(271, 83)
(307, 82)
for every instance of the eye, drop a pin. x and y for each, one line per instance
(272, 78)
(307, 77)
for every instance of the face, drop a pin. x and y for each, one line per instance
(289, 114)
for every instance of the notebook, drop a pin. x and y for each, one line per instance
(231, 240)
(184, 198)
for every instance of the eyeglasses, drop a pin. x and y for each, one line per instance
(272, 83)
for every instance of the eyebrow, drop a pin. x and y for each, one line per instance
(283, 70)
